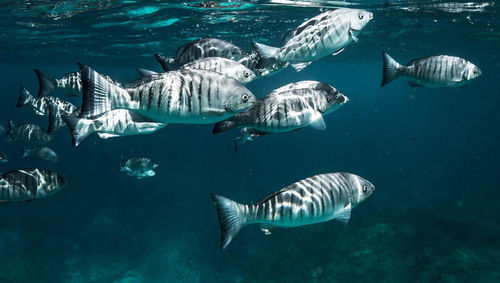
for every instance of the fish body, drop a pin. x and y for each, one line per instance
(435, 71)
(291, 107)
(313, 200)
(114, 123)
(201, 48)
(325, 34)
(3, 158)
(139, 167)
(29, 184)
(188, 96)
(43, 153)
(30, 133)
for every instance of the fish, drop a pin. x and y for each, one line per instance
(327, 33)
(246, 135)
(200, 48)
(114, 123)
(227, 67)
(187, 96)
(3, 158)
(43, 153)
(290, 107)
(316, 199)
(30, 133)
(139, 167)
(29, 184)
(71, 83)
(435, 71)
(252, 59)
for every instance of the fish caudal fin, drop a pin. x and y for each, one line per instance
(231, 218)
(55, 119)
(268, 55)
(223, 126)
(80, 128)
(99, 93)
(391, 69)
(25, 98)
(167, 64)
(47, 84)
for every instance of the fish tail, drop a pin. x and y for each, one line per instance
(25, 152)
(231, 218)
(99, 93)
(25, 98)
(223, 126)
(167, 64)
(391, 69)
(47, 84)
(268, 55)
(80, 128)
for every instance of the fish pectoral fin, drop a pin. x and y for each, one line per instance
(345, 214)
(300, 66)
(338, 51)
(317, 122)
(414, 84)
(267, 229)
(107, 136)
(212, 111)
(351, 34)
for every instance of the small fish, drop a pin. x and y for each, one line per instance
(325, 34)
(201, 48)
(188, 96)
(43, 153)
(291, 107)
(30, 133)
(71, 83)
(139, 167)
(312, 200)
(246, 135)
(3, 158)
(435, 71)
(114, 123)
(29, 184)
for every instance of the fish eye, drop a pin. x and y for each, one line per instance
(474, 71)
(365, 189)
(234, 51)
(245, 97)
(246, 74)
(361, 16)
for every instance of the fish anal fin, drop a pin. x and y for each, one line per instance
(338, 51)
(267, 229)
(351, 34)
(317, 122)
(344, 215)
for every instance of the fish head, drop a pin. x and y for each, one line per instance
(362, 189)
(471, 72)
(359, 19)
(240, 99)
(235, 53)
(244, 75)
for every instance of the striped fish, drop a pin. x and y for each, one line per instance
(139, 167)
(313, 200)
(188, 96)
(327, 33)
(71, 83)
(291, 107)
(227, 67)
(29, 133)
(200, 48)
(251, 60)
(29, 184)
(435, 71)
(3, 158)
(114, 123)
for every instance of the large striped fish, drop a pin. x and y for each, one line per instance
(327, 33)
(188, 96)
(435, 71)
(114, 123)
(30, 133)
(71, 83)
(290, 107)
(29, 184)
(200, 48)
(313, 200)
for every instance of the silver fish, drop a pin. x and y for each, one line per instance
(139, 167)
(114, 123)
(435, 71)
(3, 158)
(29, 184)
(227, 67)
(291, 107)
(188, 96)
(200, 48)
(71, 83)
(44, 153)
(325, 34)
(313, 200)
(30, 133)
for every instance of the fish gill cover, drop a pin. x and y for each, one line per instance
(132, 202)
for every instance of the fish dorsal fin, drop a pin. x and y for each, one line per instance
(143, 80)
(345, 214)
(268, 197)
(289, 34)
(305, 25)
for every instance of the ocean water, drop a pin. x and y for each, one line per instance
(432, 154)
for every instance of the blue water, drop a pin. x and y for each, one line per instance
(431, 153)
